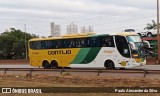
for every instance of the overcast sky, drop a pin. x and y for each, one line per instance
(106, 16)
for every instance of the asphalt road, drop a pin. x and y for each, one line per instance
(132, 75)
(149, 67)
(146, 67)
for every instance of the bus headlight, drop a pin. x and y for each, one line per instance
(135, 55)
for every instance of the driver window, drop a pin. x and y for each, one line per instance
(122, 46)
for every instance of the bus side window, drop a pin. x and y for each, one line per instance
(80, 43)
(35, 45)
(107, 41)
(38, 45)
(54, 44)
(71, 43)
(122, 46)
(43, 44)
(65, 43)
(32, 45)
(93, 42)
(48, 45)
(59, 44)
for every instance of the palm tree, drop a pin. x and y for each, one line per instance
(150, 26)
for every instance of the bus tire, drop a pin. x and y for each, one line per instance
(45, 64)
(149, 34)
(109, 64)
(54, 64)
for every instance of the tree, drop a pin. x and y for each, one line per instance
(150, 26)
(6, 43)
(13, 44)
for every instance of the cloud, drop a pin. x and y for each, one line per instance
(83, 12)
(140, 4)
(57, 8)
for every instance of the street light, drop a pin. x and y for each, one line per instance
(25, 41)
(158, 39)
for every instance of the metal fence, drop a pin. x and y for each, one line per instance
(97, 71)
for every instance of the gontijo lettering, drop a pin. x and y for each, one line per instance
(59, 52)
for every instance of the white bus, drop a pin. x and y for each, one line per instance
(124, 50)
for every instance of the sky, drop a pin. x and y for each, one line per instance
(105, 16)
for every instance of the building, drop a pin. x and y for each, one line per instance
(85, 30)
(55, 30)
(72, 29)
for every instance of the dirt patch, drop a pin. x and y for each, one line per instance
(60, 80)
(151, 61)
(41, 80)
(17, 61)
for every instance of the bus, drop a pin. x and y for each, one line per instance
(88, 50)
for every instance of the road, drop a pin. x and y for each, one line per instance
(149, 67)
(146, 67)
(132, 75)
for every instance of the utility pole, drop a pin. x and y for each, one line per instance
(25, 41)
(158, 37)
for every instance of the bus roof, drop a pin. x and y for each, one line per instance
(127, 33)
(82, 35)
(79, 34)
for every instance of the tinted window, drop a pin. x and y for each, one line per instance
(71, 43)
(122, 46)
(93, 42)
(59, 44)
(65, 43)
(46, 44)
(80, 42)
(107, 41)
(35, 45)
(54, 44)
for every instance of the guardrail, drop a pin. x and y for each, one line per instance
(98, 71)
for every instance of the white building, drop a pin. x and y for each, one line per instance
(55, 30)
(84, 29)
(72, 29)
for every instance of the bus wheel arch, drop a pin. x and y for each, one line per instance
(45, 64)
(149, 34)
(54, 64)
(109, 64)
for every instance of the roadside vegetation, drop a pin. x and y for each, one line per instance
(12, 44)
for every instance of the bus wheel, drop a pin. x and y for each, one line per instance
(54, 64)
(45, 64)
(149, 34)
(109, 64)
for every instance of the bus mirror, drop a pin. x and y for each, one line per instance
(146, 42)
(133, 46)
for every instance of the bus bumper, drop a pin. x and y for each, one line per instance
(132, 65)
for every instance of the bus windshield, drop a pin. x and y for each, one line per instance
(134, 38)
(138, 44)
